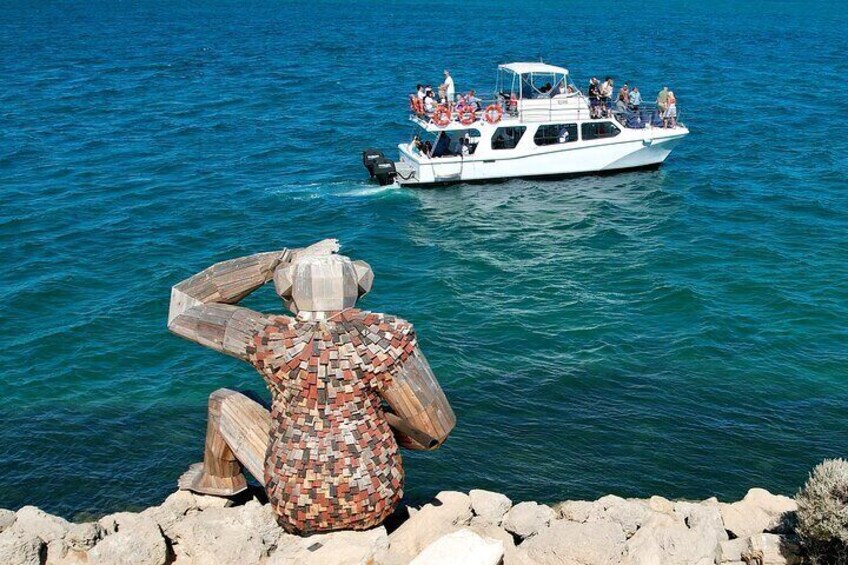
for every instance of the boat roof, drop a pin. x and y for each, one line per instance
(524, 68)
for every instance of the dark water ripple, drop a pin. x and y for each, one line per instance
(680, 331)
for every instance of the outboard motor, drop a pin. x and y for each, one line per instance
(384, 171)
(369, 157)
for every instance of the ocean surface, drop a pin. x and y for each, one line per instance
(681, 332)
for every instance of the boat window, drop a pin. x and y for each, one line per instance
(507, 138)
(553, 134)
(599, 130)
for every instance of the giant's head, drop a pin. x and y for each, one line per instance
(315, 284)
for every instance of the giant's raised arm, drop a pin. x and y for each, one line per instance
(422, 417)
(202, 306)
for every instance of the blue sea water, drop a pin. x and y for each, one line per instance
(680, 332)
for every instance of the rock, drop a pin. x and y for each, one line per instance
(760, 511)
(629, 514)
(112, 523)
(486, 529)
(730, 551)
(575, 543)
(661, 505)
(51, 529)
(574, 510)
(701, 516)
(21, 547)
(490, 506)
(137, 540)
(46, 526)
(82, 537)
(389, 557)
(527, 518)
(664, 539)
(245, 534)
(463, 547)
(7, 518)
(335, 548)
(447, 513)
(770, 549)
(185, 501)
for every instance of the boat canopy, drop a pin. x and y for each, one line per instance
(530, 80)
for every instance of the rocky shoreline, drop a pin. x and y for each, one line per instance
(480, 527)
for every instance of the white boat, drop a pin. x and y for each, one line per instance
(538, 124)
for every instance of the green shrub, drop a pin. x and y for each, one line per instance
(822, 518)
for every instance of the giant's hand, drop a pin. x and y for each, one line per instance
(201, 309)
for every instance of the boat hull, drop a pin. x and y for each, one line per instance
(645, 151)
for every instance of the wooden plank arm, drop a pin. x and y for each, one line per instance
(423, 417)
(222, 327)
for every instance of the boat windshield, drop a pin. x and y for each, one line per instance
(531, 84)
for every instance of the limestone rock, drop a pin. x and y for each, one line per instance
(575, 543)
(82, 537)
(463, 547)
(21, 547)
(629, 514)
(137, 540)
(490, 506)
(770, 549)
(185, 501)
(448, 513)
(7, 518)
(112, 523)
(574, 510)
(760, 511)
(701, 516)
(730, 551)
(335, 548)
(226, 535)
(664, 539)
(527, 518)
(51, 529)
(486, 529)
(46, 526)
(661, 505)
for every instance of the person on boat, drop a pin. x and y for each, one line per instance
(472, 99)
(450, 90)
(429, 102)
(563, 134)
(662, 100)
(606, 95)
(635, 99)
(464, 149)
(621, 106)
(670, 115)
(416, 145)
(624, 94)
(420, 93)
(594, 98)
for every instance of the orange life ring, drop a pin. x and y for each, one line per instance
(467, 116)
(442, 116)
(493, 113)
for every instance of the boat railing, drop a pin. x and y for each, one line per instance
(573, 107)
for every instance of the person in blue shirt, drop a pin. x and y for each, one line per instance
(635, 99)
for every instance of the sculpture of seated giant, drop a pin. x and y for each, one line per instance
(348, 387)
